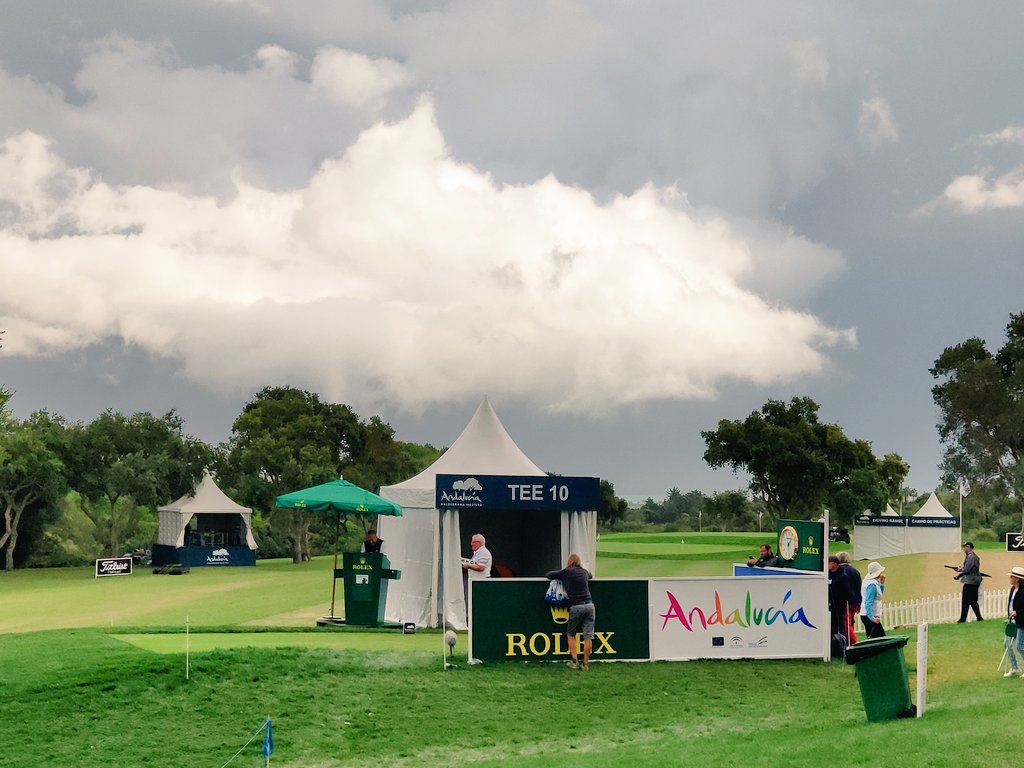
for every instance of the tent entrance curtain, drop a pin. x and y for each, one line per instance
(450, 579)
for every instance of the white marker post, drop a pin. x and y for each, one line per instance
(922, 666)
(186, 648)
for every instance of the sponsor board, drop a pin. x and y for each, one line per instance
(750, 617)
(509, 621)
(511, 492)
(801, 544)
(113, 566)
(1015, 542)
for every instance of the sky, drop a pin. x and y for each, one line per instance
(621, 221)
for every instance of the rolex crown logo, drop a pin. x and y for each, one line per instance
(559, 614)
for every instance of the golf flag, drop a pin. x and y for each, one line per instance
(268, 739)
(965, 486)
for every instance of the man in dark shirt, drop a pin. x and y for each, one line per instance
(766, 560)
(969, 575)
(372, 543)
(575, 578)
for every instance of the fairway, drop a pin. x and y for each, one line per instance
(94, 674)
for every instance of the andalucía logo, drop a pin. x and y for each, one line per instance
(218, 557)
(748, 615)
(465, 492)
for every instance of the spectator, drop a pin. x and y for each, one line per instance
(576, 580)
(871, 591)
(766, 559)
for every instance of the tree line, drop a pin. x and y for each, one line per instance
(71, 491)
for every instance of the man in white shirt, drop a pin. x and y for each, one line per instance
(480, 565)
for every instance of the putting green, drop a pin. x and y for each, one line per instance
(202, 642)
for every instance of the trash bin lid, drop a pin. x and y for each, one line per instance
(868, 648)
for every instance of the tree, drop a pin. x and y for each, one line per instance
(612, 508)
(286, 439)
(981, 399)
(797, 465)
(731, 511)
(31, 476)
(118, 463)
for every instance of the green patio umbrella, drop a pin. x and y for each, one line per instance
(343, 498)
(338, 496)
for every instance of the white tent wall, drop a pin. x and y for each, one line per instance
(410, 596)
(579, 535)
(171, 528)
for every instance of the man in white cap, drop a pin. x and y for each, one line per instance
(871, 590)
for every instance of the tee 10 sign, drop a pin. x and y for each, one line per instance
(508, 492)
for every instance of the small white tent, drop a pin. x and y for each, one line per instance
(222, 534)
(426, 543)
(882, 536)
(938, 531)
(930, 529)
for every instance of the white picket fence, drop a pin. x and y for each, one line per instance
(944, 609)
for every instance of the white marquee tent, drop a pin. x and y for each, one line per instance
(426, 544)
(931, 529)
(221, 524)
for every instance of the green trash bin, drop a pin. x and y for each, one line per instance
(366, 577)
(882, 674)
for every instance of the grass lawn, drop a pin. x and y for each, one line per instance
(93, 674)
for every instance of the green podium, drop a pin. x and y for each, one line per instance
(366, 576)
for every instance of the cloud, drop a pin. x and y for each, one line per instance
(974, 193)
(1012, 134)
(139, 114)
(355, 80)
(397, 274)
(875, 123)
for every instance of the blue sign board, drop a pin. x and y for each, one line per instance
(892, 521)
(509, 492)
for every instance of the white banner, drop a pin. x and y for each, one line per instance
(764, 617)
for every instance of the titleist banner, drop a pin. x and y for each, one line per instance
(1015, 542)
(113, 566)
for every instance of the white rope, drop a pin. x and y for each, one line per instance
(250, 741)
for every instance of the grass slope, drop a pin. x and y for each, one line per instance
(83, 698)
(94, 695)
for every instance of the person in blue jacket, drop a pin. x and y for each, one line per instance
(871, 590)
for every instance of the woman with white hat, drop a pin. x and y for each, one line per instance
(871, 590)
(1014, 643)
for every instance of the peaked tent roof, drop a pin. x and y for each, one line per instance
(932, 508)
(890, 512)
(484, 448)
(207, 498)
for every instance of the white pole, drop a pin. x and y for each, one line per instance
(186, 648)
(922, 666)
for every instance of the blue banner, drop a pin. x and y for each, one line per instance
(891, 521)
(510, 492)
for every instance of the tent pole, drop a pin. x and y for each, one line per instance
(334, 573)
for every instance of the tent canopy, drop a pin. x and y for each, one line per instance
(427, 543)
(206, 499)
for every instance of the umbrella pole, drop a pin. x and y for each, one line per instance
(334, 573)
